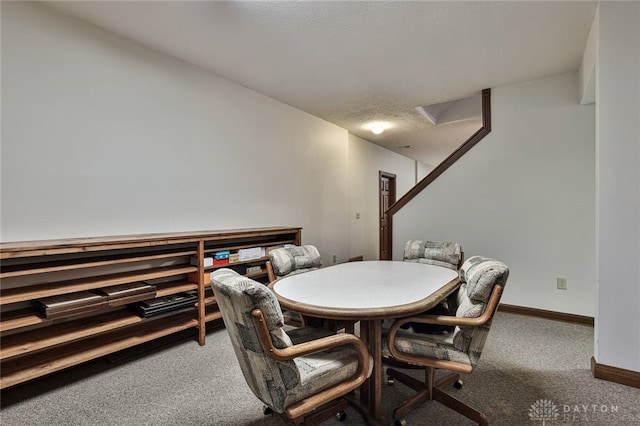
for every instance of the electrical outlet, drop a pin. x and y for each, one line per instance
(357, 215)
(562, 283)
(335, 256)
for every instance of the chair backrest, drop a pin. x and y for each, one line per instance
(433, 252)
(236, 296)
(482, 281)
(294, 260)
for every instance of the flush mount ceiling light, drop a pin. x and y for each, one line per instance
(377, 129)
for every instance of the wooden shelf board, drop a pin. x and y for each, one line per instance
(30, 317)
(213, 316)
(74, 264)
(211, 250)
(17, 249)
(173, 287)
(14, 295)
(21, 318)
(43, 338)
(254, 275)
(242, 262)
(212, 313)
(21, 369)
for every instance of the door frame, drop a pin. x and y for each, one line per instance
(392, 199)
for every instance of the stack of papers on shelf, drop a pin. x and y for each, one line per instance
(251, 253)
(161, 305)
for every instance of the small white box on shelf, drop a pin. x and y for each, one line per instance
(207, 261)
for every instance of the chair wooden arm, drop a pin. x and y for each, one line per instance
(452, 320)
(270, 274)
(443, 320)
(306, 348)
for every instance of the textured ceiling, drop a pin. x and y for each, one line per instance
(354, 62)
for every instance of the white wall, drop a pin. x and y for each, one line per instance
(366, 160)
(422, 170)
(588, 66)
(617, 326)
(524, 195)
(102, 136)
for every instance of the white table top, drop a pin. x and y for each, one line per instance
(379, 288)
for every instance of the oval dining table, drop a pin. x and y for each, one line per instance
(368, 292)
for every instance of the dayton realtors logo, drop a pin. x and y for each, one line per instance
(547, 411)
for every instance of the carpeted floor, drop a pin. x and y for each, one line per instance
(525, 360)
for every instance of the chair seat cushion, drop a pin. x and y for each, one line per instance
(320, 370)
(435, 346)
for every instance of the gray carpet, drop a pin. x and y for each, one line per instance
(526, 359)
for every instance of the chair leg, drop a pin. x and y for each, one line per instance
(422, 396)
(447, 380)
(431, 390)
(410, 404)
(414, 384)
(462, 408)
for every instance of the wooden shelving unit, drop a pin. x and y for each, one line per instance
(34, 346)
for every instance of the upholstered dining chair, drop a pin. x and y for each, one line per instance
(482, 281)
(285, 261)
(303, 374)
(447, 254)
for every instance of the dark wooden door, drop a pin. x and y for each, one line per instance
(387, 197)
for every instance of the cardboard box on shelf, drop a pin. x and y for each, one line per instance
(222, 254)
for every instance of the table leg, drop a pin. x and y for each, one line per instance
(371, 391)
(364, 388)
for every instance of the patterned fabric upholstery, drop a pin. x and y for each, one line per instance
(448, 255)
(294, 260)
(433, 252)
(478, 276)
(277, 384)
